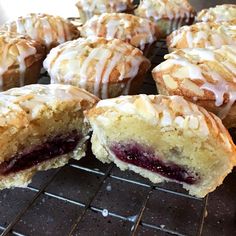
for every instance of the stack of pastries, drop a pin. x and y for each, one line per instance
(162, 137)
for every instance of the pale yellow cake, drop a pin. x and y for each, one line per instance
(41, 127)
(163, 138)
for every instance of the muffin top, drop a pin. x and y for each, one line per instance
(219, 13)
(47, 29)
(129, 28)
(167, 9)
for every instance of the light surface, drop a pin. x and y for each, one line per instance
(10, 9)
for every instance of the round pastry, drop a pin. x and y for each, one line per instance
(202, 35)
(219, 13)
(42, 127)
(206, 77)
(106, 68)
(163, 138)
(139, 32)
(47, 29)
(89, 8)
(169, 15)
(21, 60)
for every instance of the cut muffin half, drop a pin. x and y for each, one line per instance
(164, 139)
(42, 127)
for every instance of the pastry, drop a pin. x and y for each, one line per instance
(169, 15)
(106, 68)
(21, 60)
(201, 35)
(163, 138)
(42, 127)
(139, 32)
(206, 77)
(47, 29)
(219, 13)
(89, 8)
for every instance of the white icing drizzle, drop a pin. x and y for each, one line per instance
(172, 9)
(32, 24)
(219, 13)
(122, 26)
(23, 54)
(24, 50)
(204, 35)
(84, 63)
(195, 61)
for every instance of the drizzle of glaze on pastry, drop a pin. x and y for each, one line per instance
(93, 60)
(22, 47)
(203, 34)
(91, 8)
(219, 79)
(44, 28)
(167, 112)
(174, 10)
(129, 28)
(219, 13)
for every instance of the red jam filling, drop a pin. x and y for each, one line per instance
(142, 156)
(58, 145)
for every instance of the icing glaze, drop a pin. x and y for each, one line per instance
(224, 12)
(24, 48)
(174, 10)
(203, 35)
(94, 60)
(45, 28)
(129, 28)
(219, 79)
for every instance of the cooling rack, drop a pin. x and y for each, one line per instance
(87, 197)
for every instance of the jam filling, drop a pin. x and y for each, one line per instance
(139, 155)
(58, 145)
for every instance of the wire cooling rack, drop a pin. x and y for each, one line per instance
(88, 198)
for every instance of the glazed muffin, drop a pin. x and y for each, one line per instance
(42, 127)
(139, 32)
(46, 29)
(21, 60)
(163, 138)
(219, 13)
(202, 35)
(106, 68)
(169, 15)
(206, 77)
(89, 8)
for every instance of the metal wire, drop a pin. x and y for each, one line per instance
(158, 55)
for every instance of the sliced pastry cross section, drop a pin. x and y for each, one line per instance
(206, 77)
(106, 68)
(164, 139)
(42, 127)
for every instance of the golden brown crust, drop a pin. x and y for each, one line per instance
(106, 68)
(137, 31)
(20, 60)
(47, 29)
(203, 76)
(202, 35)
